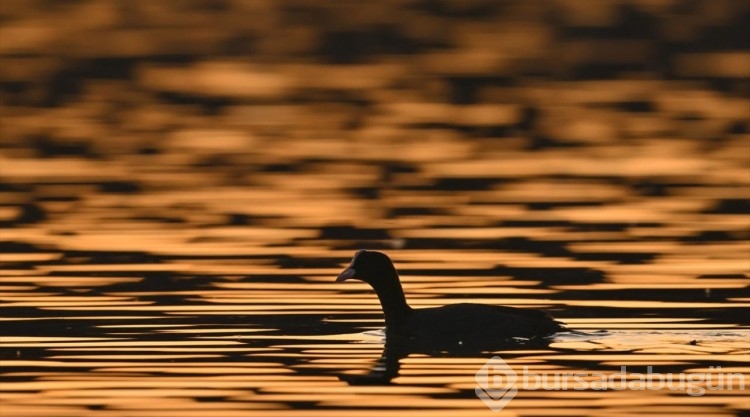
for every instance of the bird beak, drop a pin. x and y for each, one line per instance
(348, 273)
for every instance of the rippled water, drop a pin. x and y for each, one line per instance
(174, 213)
(207, 298)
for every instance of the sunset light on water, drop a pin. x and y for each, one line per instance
(183, 181)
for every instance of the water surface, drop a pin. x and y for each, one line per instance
(181, 187)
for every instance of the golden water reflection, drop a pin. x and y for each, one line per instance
(180, 183)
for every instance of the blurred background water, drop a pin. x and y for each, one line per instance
(182, 181)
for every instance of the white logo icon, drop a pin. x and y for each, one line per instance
(496, 383)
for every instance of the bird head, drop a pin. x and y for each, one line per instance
(368, 266)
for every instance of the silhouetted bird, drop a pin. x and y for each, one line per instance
(451, 327)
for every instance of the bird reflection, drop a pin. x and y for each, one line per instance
(398, 347)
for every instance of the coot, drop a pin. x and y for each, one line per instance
(471, 325)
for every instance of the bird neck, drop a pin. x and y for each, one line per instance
(392, 299)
